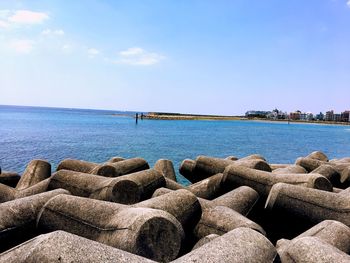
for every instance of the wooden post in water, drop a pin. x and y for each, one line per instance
(136, 117)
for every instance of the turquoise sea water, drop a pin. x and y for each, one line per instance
(54, 134)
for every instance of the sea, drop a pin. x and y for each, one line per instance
(55, 134)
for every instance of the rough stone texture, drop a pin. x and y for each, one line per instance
(291, 169)
(309, 164)
(8, 193)
(77, 165)
(182, 204)
(120, 168)
(18, 217)
(332, 232)
(170, 184)
(151, 233)
(231, 158)
(241, 199)
(36, 171)
(275, 166)
(208, 188)
(60, 246)
(312, 250)
(220, 220)
(126, 189)
(318, 155)
(9, 178)
(166, 167)
(186, 168)
(239, 245)
(310, 204)
(330, 173)
(205, 240)
(253, 157)
(262, 181)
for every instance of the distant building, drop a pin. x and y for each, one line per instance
(320, 116)
(295, 115)
(337, 117)
(257, 114)
(277, 115)
(345, 116)
(329, 115)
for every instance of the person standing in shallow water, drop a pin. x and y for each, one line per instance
(137, 117)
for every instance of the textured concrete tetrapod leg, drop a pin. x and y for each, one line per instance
(318, 155)
(61, 246)
(17, 217)
(220, 220)
(186, 169)
(170, 184)
(262, 181)
(9, 178)
(166, 167)
(330, 231)
(311, 205)
(330, 173)
(291, 169)
(116, 159)
(151, 233)
(205, 240)
(208, 188)
(36, 171)
(239, 245)
(77, 165)
(312, 250)
(309, 164)
(126, 189)
(120, 168)
(182, 204)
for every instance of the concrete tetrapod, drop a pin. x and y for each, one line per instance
(261, 181)
(165, 167)
(239, 245)
(208, 188)
(311, 205)
(126, 189)
(182, 204)
(312, 250)
(147, 232)
(18, 217)
(61, 246)
(330, 173)
(8, 193)
(241, 199)
(36, 171)
(318, 155)
(332, 232)
(205, 240)
(291, 169)
(220, 220)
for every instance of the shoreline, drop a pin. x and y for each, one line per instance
(171, 116)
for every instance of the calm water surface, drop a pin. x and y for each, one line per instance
(53, 134)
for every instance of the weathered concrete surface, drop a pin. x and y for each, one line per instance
(220, 220)
(18, 217)
(77, 165)
(312, 250)
(182, 204)
(8, 193)
(330, 173)
(151, 233)
(165, 167)
(172, 185)
(116, 159)
(318, 155)
(61, 246)
(291, 169)
(241, 199)
(36, 171)
(186, 168)
(205, 240)
(275, 166)
(239, 245)
(120, 168)
(208, 188)
(231, 158)
(126, 189)
(9, 178)
(262, 181)
(330, 231)
(310, 204)
(309, 164)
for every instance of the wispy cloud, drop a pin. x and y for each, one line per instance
(348, 3)
(49, 32)
(4, 24)
(138, 56)
(28, 17)
(22, 46)
(92, 52)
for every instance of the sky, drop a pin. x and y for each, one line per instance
(186, 56)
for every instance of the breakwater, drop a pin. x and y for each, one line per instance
(126, 210)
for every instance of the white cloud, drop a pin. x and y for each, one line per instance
(5, 13)
(4, 24)
(22, 46)
(138, 56)
(48, 32)
(92, 52)
(28, 17)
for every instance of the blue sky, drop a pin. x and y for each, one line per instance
(209, 57)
